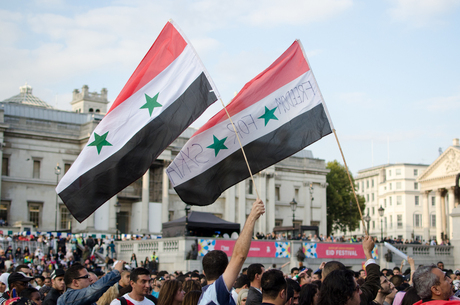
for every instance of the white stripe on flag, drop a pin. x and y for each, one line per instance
(195, 158)
(183, 71)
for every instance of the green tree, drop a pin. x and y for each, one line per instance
(342, 211)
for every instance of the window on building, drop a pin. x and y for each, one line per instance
(415, 185)
(367, 197)
(385, 202)
(372, 183)
(391, 187)
(367, 183)
(65, 223)
(297, 223)
(67, 167)
(90, 110)
(417, 220)
(373, 198)
(373, 224)
(4, 212)
(278, 222)
(373, 210)
(277, 193)
(399, 221)
(98, 111)
(433, 220)
(35, 213)
(417, 200)
(398, 171)
(362, 185)
(398, 200)
(389, 173)
(391, 221)
(170, 215)
(415, 172)
(391, 200)
(296, 194)
(398, 185)
(5, 166)
(36, 169)
(385, 221)
(433, 201)
(250, 187)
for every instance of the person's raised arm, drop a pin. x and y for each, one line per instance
(242, 245)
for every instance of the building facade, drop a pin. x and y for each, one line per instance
(394, 189)
(438, 185)
(39, 144)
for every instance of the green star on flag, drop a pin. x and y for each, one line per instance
(100, 141)
(151, 103)
(268, 115)
(218, 145)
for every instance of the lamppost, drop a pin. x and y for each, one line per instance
(311, 203)
(57, 171)
(117, 211)
(293, 204)
(187, 209)
(381, 210)
(367, 219)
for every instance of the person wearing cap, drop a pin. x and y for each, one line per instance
(80, 291)
(17, 281)
(57, 289)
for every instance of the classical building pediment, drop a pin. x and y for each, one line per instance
(447, 164)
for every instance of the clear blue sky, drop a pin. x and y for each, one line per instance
(388, 69)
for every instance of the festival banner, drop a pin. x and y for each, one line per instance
(336, 251)
(257, 249)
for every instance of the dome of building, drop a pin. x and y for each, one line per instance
(25, 97)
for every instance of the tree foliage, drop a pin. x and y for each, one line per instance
(342, 211)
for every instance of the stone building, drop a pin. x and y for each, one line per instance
(394, 189)
(437, 186)
(37, 140)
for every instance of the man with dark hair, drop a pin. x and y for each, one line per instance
(433, 286)
(242, 282)
(17, 281)
(57, 289)
(47, 281)
(440, 265)
(316, 276)
(386, 287)
(31, 294)
(255, 272)
(396, 271)
(124, 280)
(139, 280)
(79, 289)
(294, 272)
(339, 287)
(371, 285)
(24, 269)
(293, 292)
(221, 278)
(39, 279)
(273, 287)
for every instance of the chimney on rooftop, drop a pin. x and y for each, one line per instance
(455, 142)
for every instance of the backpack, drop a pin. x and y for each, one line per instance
(124, 301)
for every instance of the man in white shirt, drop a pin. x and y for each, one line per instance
(140, 282)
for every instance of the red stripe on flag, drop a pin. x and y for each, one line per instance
(166, 48)
(289, 66)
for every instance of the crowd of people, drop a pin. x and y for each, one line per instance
(79, 280)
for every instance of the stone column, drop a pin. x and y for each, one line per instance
(144, 219)
(450, 205)
(242, 203)
(262, 189)
(443, 212)
(439, 227)
(455, 240)
(230, 204)
(426, 215)
(270, 204)
(165, 197)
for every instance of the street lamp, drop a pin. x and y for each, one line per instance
(187, 209)
(293, 204)
(57, 171)
(311, 203)
(117, 211)
(381, 210)
(367, 219)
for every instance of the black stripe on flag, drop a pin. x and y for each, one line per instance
(265, 151)
(102, 182)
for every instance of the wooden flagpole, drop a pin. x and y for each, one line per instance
(351, 183)
(242, 149)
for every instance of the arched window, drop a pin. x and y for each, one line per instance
(90, 110)
(98, 111)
